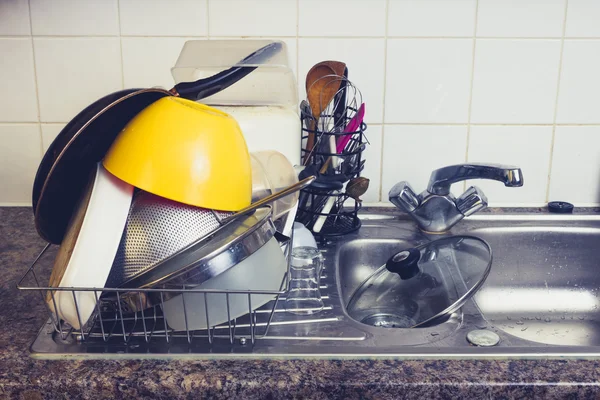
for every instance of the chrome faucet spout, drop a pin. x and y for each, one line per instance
(441, 179)
(436, 209)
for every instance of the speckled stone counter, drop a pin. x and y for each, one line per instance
(22, 314)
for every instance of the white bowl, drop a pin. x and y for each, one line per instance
(86, 254)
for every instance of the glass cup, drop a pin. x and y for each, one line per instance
(304, 296)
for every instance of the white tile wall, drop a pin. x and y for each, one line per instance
(74, 18)
(411, 152)
(575, 175)
(517, 18)
(163, 18)
(432, 18)
(515, 81)
(445, 81)
(429, 80)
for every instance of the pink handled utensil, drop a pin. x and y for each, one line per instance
(352, 126)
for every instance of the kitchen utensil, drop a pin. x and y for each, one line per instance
(89, 246)
(157, 228)
(339, 111)
(304, 296)
(255, 269)
(352, 127)
(215, 262)
(271, 172)
(275, 196)
(355, 188)
(202, 161)
(69, 159)
(322, 83)
(421, 286)
(179, 263)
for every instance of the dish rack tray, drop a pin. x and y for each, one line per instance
(112, 324)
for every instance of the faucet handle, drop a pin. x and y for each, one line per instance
(404, 197)
(471, 201)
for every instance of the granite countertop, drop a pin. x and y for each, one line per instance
(22, 314)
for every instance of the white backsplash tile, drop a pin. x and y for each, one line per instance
(372, 155)
(147, 61)
(412, 152)
(516, 18)
(578, 98)
(575, 174)
(341, 18)
(428, 80)
(412, 60)
(163, 17)
(14, 17)
(20, 155)
(72, 73)
(367, 76)
(515, 81)
(252, 18)
(582, 18)
(17, 81)
(431, 18)
(49, 133)
(527, 147)
(74, 18)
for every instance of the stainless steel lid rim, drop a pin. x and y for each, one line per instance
(200, 252)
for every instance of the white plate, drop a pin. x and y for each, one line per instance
(94, 245)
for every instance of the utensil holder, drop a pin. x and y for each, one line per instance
(341, 218)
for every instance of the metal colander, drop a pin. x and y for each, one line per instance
(157, 228)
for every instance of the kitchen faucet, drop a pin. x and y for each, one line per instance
(436, 209)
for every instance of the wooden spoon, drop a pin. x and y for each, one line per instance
(322, 83)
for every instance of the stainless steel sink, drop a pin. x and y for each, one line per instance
(540, 298)
(545, 280)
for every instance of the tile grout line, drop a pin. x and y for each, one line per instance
(207, 19)
(560, 63)
(385, 51)
(298, 51)
(581, 38)
(35, 80)
(121, 45)
(469, 110)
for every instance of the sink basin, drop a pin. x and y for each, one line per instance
(541, 298)
(545, 280)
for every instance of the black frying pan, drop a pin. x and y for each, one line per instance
(66, 165)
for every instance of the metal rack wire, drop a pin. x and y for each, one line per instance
(112, 323)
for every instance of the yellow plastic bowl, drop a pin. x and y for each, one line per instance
(186, 152)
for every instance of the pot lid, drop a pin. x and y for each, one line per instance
(211, 255)
(419, 286)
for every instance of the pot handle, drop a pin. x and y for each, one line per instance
(205, 87)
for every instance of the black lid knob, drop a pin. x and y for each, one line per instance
(404, 263)
(560, 207)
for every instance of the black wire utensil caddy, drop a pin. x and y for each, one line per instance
(329, 207)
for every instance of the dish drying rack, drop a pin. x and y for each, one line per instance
(113, 329)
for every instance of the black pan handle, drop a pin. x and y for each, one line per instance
(205, 87)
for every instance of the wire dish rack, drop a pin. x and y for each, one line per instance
(112, 324)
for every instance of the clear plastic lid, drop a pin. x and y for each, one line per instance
(272, 83)
(420, 286)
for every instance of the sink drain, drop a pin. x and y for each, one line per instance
(383, 320)
(483, 338)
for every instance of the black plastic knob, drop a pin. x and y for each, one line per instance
(560, 207)
(404, 263)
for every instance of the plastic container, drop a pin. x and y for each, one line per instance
(272, 172)
(264, 102)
